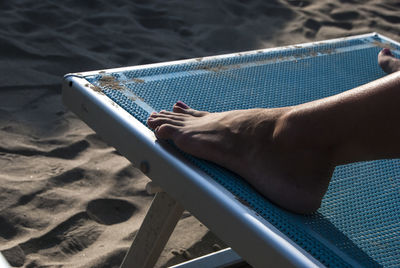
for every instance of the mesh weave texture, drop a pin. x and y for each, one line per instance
(358, 223)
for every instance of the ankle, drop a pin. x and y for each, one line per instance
(287, 130)
(310, 156)
(296, 130)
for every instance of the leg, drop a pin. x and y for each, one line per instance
(289, 154)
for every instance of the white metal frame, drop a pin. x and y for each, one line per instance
(223, 258)
(250, 235)
(3, 262)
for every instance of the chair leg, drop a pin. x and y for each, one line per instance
(156, 228)
(226, 258)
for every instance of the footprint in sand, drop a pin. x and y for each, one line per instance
(156, 19)
(299, 3)
(345, 15)
(110, 211)
(66, 239)
(7, 229)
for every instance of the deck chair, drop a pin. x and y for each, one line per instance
(358, 224)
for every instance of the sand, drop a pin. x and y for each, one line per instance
(66, 198)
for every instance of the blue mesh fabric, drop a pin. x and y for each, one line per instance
(359, 222)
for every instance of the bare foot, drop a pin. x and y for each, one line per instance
(256, 145)
(288, 154)
(388, 62)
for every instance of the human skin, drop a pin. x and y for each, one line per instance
(288, 154)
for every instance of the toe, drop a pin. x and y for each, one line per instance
(388, 62)
(166, 132)
(183, 108)
(159, 121)
(182, 105)
(179, 109)
(153, 114)
(170, 115)
(188, 111)
(386, 52)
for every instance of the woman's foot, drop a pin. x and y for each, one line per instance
(388, 62)
(257, 145)
(288, 154)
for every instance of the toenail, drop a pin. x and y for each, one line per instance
(182, 104)
(387, 52)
